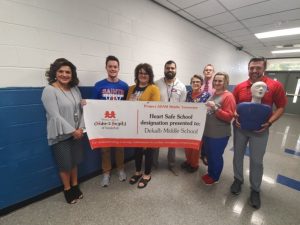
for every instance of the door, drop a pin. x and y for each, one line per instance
(291, 83)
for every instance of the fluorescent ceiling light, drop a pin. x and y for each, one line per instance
(288, 46)
(278, 33)
(286, 51)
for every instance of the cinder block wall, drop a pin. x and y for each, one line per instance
(36, 32)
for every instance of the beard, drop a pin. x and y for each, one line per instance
(170, 75)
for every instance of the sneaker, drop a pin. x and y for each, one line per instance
(122, 175)
(254, 200)
(105, 180)
(236, 187)
(208, 180)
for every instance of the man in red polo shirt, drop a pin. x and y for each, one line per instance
(257, 139)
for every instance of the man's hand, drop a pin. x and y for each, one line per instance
(236, 119)
(264, 127)
(77, 134)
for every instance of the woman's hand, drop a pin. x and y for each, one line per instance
(211, 105)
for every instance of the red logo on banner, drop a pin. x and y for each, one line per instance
(110, 115)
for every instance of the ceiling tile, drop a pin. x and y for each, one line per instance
(244, 38)
(168, 5)
(263, 8)
(200, 23)
(212, 30)
(205, 9)
(236, 33)
(276, 26)
(276, 18)
(233, 4)
(185, 3)
(186, 15)
(229, 27)
(219, 19)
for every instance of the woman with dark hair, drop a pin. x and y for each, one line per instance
(144, 90)
(196, 95)
(62, 102)
(221, 109)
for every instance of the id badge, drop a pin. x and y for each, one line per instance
(76, 117)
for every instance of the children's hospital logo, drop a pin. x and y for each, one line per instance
(109, 121)
(110, 115)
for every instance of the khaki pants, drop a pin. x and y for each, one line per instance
(106, 161)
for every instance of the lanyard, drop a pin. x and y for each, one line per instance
(171, 91)
(76, 115)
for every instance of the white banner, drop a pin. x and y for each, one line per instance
(144, 124)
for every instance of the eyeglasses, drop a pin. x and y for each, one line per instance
(218, 81)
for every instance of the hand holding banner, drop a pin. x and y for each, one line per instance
(144, 124)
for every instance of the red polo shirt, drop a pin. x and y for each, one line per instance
(275, 93)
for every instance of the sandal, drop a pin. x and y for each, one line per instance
(135, 178)
(77, 192)
(69, 196)
(144, 182)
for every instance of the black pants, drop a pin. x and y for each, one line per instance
(139, 152)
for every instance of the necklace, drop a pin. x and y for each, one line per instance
(76, 114)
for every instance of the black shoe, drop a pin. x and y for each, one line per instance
(77, 192)
(254, 200)
(191, 169)
(69, 196)
(236, 187)
(184, 165)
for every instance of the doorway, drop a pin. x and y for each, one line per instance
(291, 83)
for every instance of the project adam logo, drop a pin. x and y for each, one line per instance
(110, 121)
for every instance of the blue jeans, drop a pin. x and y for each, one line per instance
(214, 148)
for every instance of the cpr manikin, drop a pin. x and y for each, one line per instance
(258, 90)
(253, 114)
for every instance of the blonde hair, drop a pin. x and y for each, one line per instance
(226, 79)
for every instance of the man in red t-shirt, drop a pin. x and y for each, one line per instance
(257, 140)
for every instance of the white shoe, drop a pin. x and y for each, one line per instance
(105, 180)
(122, 175)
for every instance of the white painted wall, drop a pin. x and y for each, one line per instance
(33, 33)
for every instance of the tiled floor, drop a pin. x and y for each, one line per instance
(184, 199)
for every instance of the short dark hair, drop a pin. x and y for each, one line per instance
(259, 59)
(148, 69)
(112, 58)
(170, 62)
(56, 65)
(198, 77)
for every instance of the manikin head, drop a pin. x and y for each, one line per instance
(258, 90)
